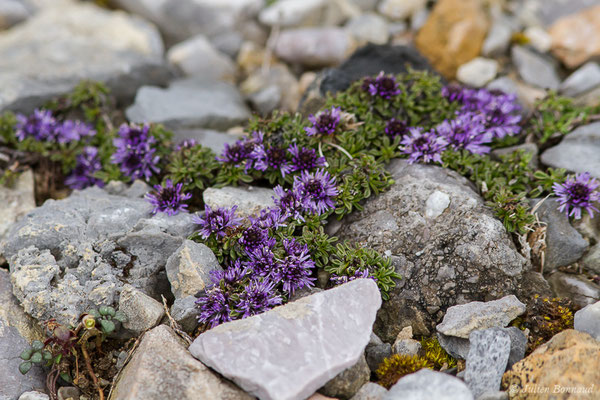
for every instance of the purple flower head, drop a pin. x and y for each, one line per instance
(254, 237)
(395, 128)
(295, 269)
(466, 131)
(228, 277)
(273, 157)
(82, 176)
(364, 274)
(270, 218)
(40, 125)
(262, 261)
(258, 296)
(289, 202)
(305, 158)
(577, 194)
(168, 198)
(70, 131)
(317, 191)
(454, 93)
(384, 86)
(423, 146)
(245, 150)
(134, 152)
(325, 122)
(218, 221)
(214, 308)
(186, 144)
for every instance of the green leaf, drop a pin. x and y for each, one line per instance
(26, 354)
(103, 310)
(107, 326)
(94, 313)
(37, 345)
(66, 377)
(36, 358)
(46, 355)
(25, 367)
(120, 316)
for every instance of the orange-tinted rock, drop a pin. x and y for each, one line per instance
(576, 38)
(566, 367)
(453, 34)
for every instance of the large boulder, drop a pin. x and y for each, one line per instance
(73, 254)
(448, 247)
(17, 200)
(52, 51)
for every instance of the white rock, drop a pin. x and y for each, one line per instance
(369, 27)
(16, 201)
(478, 71)
(498, 37)
(34, 396)
(436, 203)
(400, 9)
(249, 200)
(197, 57)
(588, 320)
(429, 385)
(314, 47)
(539, 39)
(288, 13)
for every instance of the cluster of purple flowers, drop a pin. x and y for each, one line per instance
(312, 193)
(168, 198)
(384, 86)
(324, 123)
(135, 152)
(364, 274)
(82, 176)
(253, 153)
(577, 194)
(42, 126)
(218, 222)
(423, 146)
(466, 131)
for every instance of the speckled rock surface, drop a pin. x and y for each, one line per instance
(347, 383)
(428, 384)
(249, 200)
(291, 351)
(460, 253)
(16, 201)
(487, 359)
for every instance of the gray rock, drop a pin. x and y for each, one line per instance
(418, 19)
(564, 245)
(293, 350)
(12, 12)
(409, 347)
(400, 9)
(17, 331)
(95, 242)
(368, 27)
(69, 393)
(142, 311)
(348, 382)
(313, 47)
(545, 12)
(375, 354)
(33, 395)
(370, 391)
(190, 103)
(487, 360)
(161, 368)
(578, 151)
(505, 84)
(462, 319)
(461, 255)
(185, 313)
(426, 385)
(539, 38)
(188, 269)
(586, 78)
(588, 320)
(250, 200)
(266, 99)
(455, 346)
(493, 396)
(477, 72)
(212, 139)
(197, 57)
(498, 37)
(16, 201)
(535, 69)
(592, 259)
(274, 88)
(73, 42)
(289, 13)
(580, 290)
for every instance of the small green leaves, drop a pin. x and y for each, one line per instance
(37, 345)
(120, 316)
(36, 358)
(24, 367)
(26, 354)
(107, 326)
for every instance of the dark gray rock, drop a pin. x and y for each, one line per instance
(370, 391)
(577, 288)
(190, 103)
(185, 313)
(291, 351)
(584, 79)
(95, 243)
(59, 46)
(446, 256)
(588, 320)
(455, 346)
(564, 245)
(592, 259)
(535, 69)
(426, 385)
(376, 354)
(578, 151)
(348, 382)
(487, 360)
(161, 368)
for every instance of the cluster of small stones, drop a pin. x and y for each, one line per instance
(220, 61)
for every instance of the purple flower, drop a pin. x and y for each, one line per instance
(274, 158)
(228, 277)
(244, 150)
(258, 297)
(325, 122)
(217, 221)
(254, 237)
(294, 270)
(466, 131)
(186, 144)
(168, 198)
(270, 218)
(395, 128)
(317, 191)
(82, 176)
(384, 86)
(70, 131)
(423, 146)
(289, 202)
(454, 93)
(261, 261)
(40, 125)
(305, 159)
(214, 307)
(577, 194)
(134, 152)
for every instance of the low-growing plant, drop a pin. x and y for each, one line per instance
(398, 365)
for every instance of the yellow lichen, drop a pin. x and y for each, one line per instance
(399, 365)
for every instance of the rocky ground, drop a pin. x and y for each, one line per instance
(202, 68)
